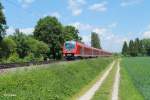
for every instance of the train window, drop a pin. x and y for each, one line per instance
(69, 46)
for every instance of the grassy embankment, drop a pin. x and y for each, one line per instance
(105, 92)
(55, 82)
(135, 79)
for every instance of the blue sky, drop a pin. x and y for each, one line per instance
(114, 20)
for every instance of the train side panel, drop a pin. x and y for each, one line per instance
(82, 51)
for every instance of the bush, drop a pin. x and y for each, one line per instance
(36, 48)
(32, 57)
(13, 58)
(8, 46)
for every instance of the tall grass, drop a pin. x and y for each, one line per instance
(56, 82)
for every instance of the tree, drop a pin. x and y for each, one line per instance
(137, 46)
(28, 45)
(21, 42)
(49, 30)
(71, 33)
(36, 47)
(146, 45)
(125, 49)
(2, 23)
(95, 41)
(8, 47)
(132, 48)
(142, 48)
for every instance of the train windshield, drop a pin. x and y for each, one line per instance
(69, 45)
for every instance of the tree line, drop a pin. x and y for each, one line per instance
(46, 42)
(136, 47)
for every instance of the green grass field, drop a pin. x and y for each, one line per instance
(55, 82)
(135, 79)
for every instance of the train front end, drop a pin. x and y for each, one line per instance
(69, 50)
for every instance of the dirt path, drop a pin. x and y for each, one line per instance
(90, 93)
(115, 91)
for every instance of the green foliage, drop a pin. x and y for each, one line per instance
(29, 57)
(8, 46)
(132, 49)
(49, 30)
(13, 58)
(71, 33)
(27, 45)
(21, 41)
(2, 23)
(55, 82)
(33, 57)
(146, 45)
(137, 48)
(142, 48)
(137, 72)
(125, 49)
(95, 41)
(36, 47)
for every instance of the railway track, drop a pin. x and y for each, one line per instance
(26, 64)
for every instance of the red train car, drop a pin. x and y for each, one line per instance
(73, 49)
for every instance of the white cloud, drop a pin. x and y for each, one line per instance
(4, 10)
(148, 26)
(110, 41)
(125, 3)
(100, 31)
(100, 7)
(85, 39)
(11, 30)
(27, 30)
(91, 28)
(146, 34)
(82, 27)
(25, 3)
(76, 6)
(54, 14)
(87, 28)
(113, 25)
(114, 42)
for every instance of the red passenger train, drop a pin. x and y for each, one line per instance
(73, 50)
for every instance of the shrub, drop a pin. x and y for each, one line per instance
(13, 58)
(8, 46)
(32, 57)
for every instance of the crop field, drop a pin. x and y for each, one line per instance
(55, 82)
(135, 80)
